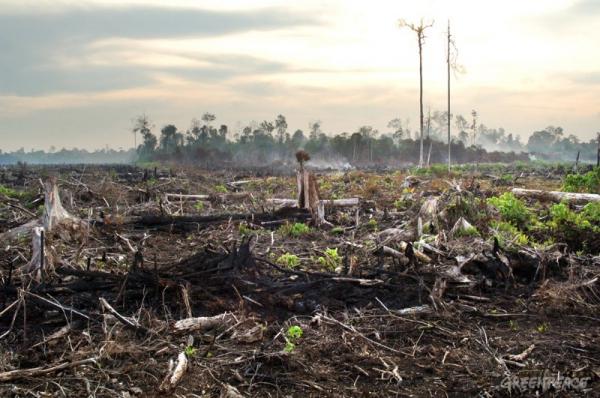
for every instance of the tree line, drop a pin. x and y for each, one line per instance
(210, 143)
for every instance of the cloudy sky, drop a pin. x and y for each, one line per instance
(75, 73)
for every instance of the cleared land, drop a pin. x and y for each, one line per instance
(435, 284)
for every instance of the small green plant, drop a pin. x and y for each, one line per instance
(294, 230)
(514, 326)
(542, 328)
(190, 351)
(244, 229)
(199, 206)
(470, 231)
(512, 209)
(403, 203)
(151, 182)
(337, 231)
(372, 224)
(293, 334)
(289, 260)
(331, 259)
(220, 188)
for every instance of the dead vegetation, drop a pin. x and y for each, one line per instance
(187, 283)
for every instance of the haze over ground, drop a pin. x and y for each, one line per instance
(74, 74)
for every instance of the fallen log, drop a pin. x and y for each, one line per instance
(556, 196)
(184, 222)
(212, 198)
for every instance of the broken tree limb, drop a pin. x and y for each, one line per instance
(38, 258)
(22, 231)
(128, 322)
(388, 251)
(34, 372)
(176, 372)
(203, 323)
(556, 196)
(523, 355)
(178, 196)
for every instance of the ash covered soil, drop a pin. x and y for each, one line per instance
(435, 284)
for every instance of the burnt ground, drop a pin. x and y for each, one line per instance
(371, 325)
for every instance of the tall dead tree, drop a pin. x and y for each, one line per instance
(449, 117)
(451, 65)
(598, 153)
(420, 31)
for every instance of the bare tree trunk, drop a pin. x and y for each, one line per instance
(598, 153)
(420, 35)
(448, 61)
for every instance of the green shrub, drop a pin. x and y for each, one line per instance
(372, 224)
(337, 231)
(199, 206)
(288, 260)
(591, 212)
(295, 230)
(512, 209)
(508, 234)
(245, 230)
(467, 232)
(9, 192)
(585, 183)
(220, 188)
(331, 259)
(577, 230)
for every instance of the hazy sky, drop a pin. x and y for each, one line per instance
(75, 73)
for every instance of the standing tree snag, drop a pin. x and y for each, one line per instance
(54, 212)
(451, 65)
(449, 114)
(308, 192)
(420, 31)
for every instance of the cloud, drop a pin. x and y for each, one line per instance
(34, 44)
(568, 19)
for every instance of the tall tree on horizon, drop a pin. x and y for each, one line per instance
(141, 125)
(449, 114)
(420, 31)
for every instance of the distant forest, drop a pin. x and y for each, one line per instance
(205, 144)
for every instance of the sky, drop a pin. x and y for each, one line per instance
(76, 73)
